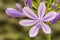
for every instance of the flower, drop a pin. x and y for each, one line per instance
(28, 3)
(55, 19)
(15, 13)
(38, 21)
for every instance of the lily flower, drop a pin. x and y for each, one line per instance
(38, 21)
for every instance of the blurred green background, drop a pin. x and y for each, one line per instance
(11, 30)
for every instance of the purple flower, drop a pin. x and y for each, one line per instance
(55, 19)
(28, 3)
(15, 13)
(53, 5)
(38, 21)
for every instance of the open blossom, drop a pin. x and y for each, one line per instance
(38, 21)
(18, 13)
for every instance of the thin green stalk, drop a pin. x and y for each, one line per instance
(48, 37)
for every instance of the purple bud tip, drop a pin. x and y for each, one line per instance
(19, 6)
(53, 5)
(42, 0)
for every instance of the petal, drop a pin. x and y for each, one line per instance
(41, 9)
(29, 13)
(14, 13)
(19, 6)
(55, 19)
(46, 29)
(34, 30)
(29, 3)
(27, 22)
(50, 16)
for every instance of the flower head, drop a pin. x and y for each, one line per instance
(38, 21)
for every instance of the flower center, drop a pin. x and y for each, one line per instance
(39, 20)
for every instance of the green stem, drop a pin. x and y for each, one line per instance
(49, 3)
(48, 37)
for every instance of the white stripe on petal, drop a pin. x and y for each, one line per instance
(27, 22)
(46, 29)
(34, 30)
(41, 9)
(29, 13)
(50, 16)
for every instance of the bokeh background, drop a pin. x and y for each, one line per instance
(11, 30)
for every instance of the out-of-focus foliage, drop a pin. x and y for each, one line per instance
(11, 30)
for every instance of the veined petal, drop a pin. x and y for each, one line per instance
(50, 16)
(27, 22)
(29, 13)
(34, 30)
(46, 29)
(19, 6)
(13, 12)
(41, 9)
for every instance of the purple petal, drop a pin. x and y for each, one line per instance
(27, 22)
(50, 16)
(46, 29)
(41, 9)
(56, 19)
(19, 6)
(34, 30)
(14, 13)
(29, 3)
(29, 13)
